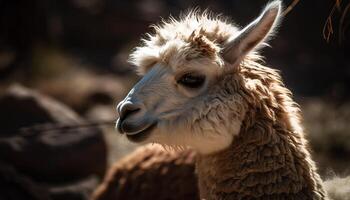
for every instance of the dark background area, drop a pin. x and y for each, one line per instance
(63, 68)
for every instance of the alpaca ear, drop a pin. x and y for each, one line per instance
(253, 35)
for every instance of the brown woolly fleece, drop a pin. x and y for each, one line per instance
(150, 172)
(269, 158)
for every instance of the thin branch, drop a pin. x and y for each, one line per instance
(342, 27)
(328, 26)
(54, 126)
(290, 7)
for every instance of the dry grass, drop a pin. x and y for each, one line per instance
(328, 130)
(338, 188)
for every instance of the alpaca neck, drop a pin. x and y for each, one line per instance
(263, 162)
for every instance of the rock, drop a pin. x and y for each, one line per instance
(151, 173)
(81, 89)
(102, 113)
(46, 141)
(16, 186)
(79, 190)
(55, 153)
(21, 107)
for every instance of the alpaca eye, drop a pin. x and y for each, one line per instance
(191, 80)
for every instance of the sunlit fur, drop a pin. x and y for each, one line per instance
(175, 42)
(243, 115)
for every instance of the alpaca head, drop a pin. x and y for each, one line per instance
(191, 91)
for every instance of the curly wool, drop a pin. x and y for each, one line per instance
(269, 158)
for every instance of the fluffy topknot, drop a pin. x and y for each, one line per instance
(195, 35)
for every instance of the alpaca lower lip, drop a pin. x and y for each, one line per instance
(135, 127)
(142, 135)
(132, 127)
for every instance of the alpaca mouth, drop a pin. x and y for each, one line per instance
(141, 135)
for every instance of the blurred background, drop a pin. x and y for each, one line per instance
(63, 68)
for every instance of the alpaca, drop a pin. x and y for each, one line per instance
(204, 86)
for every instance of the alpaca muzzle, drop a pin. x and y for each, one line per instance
(133, 122)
